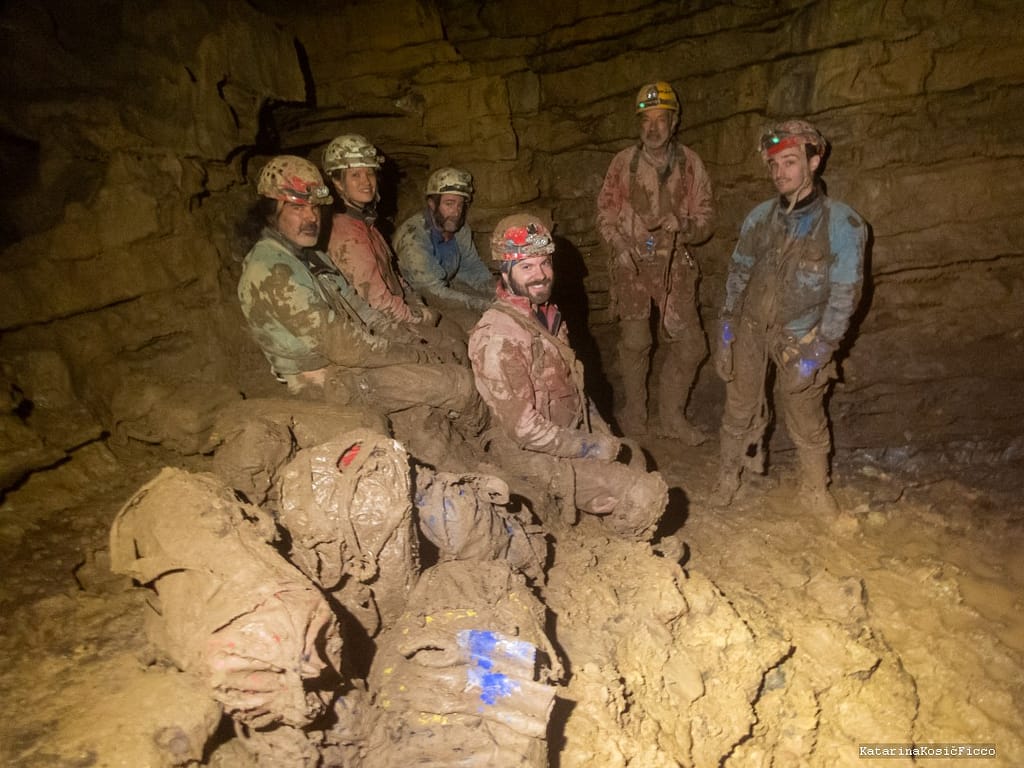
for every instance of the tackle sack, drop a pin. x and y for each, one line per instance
(347, 506)
(463, 678)
(466, 516)
(225, 605)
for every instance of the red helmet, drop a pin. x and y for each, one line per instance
(790, 133)
(520, 236)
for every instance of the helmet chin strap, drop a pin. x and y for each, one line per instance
(809, 184)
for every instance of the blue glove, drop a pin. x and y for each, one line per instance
(728, 337)
(602, 447)
(812, 356)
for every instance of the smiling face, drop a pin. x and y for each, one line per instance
(792, 172)
(533, 278)
(357, 185)
(656, 126)
(299, 223)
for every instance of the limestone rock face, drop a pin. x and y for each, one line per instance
(132, 136)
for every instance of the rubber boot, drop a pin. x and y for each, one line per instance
(672, 422)
(673, 393)
(634, 350)
(729, 469)
(814, 493)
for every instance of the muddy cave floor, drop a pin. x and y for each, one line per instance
(936, 556)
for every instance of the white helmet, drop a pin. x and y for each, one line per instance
(350, 151)
(450, 181)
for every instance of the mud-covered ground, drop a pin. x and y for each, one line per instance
(748, 637)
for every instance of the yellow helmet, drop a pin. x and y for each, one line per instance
(657, 95)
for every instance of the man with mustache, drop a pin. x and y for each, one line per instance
(655, 205)
(320, 337)
(436, 253)
(547, 431)
(794, 281)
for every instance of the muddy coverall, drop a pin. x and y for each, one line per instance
(322, 339)
(635, 196)
(359, 251)
(794, 281)
(546, 428)
(445, 272)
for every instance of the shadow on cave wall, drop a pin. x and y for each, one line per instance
(570, 295)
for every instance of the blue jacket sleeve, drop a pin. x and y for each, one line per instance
(848, 239)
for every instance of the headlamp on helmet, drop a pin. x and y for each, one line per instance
(520, 236)
(293, 179)
(791, 133)
(657, 95)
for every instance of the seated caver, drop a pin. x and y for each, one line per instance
(320, 337)
(436, 252)
(358, 249)
(228, 608)
(546, 427)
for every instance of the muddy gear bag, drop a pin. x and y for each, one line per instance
(464, 677)
(467, 517)
(226, 606)
(347, 505)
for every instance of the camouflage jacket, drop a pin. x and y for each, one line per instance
(359, 250)
(530, 378)
(304, 315)
(635, 195)
(435, 266)
(801, 271)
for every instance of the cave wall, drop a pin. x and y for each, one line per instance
(132, 134)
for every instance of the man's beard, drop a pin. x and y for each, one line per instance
(448, 224)
(523, 289)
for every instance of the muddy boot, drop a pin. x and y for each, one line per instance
(730, 468)
(673, 393)
(672, 422)
(632, 419)
(814, 493)
(727, 486)
(634, 363)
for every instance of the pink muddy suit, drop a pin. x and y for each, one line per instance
(359, 251)
(547, 428)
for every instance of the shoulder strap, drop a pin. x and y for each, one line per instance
(566, 352)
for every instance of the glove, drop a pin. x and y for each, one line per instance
(601, 447)
(426, 316)
(725, 333)
(723, 354)
(812, 356)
